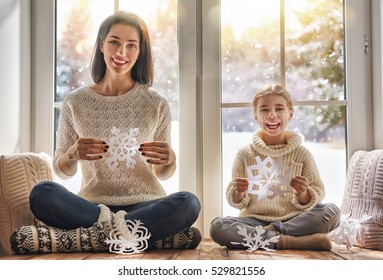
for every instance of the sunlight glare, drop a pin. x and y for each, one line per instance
(243, 14)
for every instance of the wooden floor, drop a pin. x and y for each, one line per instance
(208, 250)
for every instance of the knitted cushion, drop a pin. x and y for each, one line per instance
(18, 174)
(364, 195)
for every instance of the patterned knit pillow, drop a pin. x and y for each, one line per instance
(18, 174)
(364, 195)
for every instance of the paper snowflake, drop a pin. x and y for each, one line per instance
(257, 240)
(128, 237)
(122, 147)
(347, 230)
(269, 178)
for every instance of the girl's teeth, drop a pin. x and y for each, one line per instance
(273, 125)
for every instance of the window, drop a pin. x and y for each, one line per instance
(347, 105)
(77, 27)
(205, 128)
(300, 45)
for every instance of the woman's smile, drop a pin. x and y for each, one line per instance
(118, 61)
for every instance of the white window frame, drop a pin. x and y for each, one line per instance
(377, 70)
(359, 114)
(200, 120)
(43, 75)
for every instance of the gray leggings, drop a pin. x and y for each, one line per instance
(323, 218)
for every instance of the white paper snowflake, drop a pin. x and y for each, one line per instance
(347, 230)
(128, 237)
(122, 147)
(257, 241)
(269, 178)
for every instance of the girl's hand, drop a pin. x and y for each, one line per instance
(87, 149)
(240, 184)
(158, 153)
(300, 185)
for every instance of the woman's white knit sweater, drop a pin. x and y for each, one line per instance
(85, 113)
(301, 163)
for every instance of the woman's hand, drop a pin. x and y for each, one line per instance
(300, 185)
(162, 156)
(83, 149)
(158, 153)
(87, 149)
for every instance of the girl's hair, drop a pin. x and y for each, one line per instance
(276, 90)
(142, 71)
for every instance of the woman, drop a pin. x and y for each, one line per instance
(118, 129)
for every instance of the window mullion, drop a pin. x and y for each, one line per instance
(190, 157)
(296, 103)
(211, 111)
(358, 77)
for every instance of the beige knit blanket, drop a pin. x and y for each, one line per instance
(18, 174)
(364, 195)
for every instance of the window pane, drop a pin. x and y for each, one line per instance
(323, 137)
(323, 130)
(314, 49)
(252, 51)
(250, 47)
(77, 27)
(238, 126)
(161, 19)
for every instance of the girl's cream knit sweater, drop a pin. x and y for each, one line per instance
(297, 158)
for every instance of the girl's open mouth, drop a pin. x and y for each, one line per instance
(273, 125)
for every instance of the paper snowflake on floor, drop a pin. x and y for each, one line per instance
(269, 178)
(128, 237)
(347, 230)
(122, 147)
(257, 240)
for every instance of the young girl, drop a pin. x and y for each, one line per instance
(295, 214)
(114, 188)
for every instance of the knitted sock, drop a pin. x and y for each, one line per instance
(189, 238)
(317, 241)
(41, 238)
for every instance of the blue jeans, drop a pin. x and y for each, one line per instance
(55, 206)
(323, 218)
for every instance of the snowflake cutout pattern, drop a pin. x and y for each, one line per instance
(128, 237)
(347, 230)
(257, 240)
(122, 147)
(272, 178)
